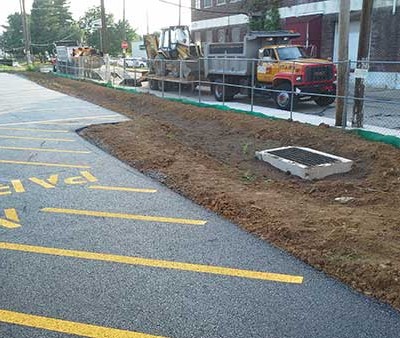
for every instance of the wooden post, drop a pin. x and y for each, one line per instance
(25, 28)
(363, 51)
(343, 54)
(103, 28)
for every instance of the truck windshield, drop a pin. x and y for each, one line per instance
(291, 53)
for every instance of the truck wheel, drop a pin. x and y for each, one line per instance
(324, 101)
(166, 84)
(283, 96)
(154, 84)
(160, 65)
(218, 90)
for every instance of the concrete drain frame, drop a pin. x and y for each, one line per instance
(304, 162)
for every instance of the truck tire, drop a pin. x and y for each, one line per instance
(218, 90)
(160, 65)
(167, 86)
(283, 96)
(324, 101)
(154, 84)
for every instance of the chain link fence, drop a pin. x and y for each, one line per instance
(310, 99)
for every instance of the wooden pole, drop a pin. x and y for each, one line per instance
(180, 11)
(104, 28)
(343, 55)
(362, 57)
(26, 32)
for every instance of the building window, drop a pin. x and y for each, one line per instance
(221, 35)
(236, 34)
(207, 3)
(197, 37)
(209, 36)
(221, 2)
(197, 4)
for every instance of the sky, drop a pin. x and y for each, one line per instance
(160, 14)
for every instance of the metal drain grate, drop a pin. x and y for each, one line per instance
(302, 156)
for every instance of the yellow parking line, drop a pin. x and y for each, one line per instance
(37, 138)
(43, 164)
(38, 130)
(124, 216)
(46, 150)
(216, 270)
(101, 187)
(64, 326)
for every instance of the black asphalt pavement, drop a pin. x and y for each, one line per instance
(89, 247)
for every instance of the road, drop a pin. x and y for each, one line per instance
(90, 247)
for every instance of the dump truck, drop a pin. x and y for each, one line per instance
(265, 63)
(72, 58)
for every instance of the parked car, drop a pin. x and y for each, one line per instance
(133, 62)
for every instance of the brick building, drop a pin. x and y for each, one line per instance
(317, 21)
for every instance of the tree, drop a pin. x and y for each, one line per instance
(116, 35)
(90, 23)
(264, 15)
(51, 21)
(13, 36)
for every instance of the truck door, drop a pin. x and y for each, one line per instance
(268, 65)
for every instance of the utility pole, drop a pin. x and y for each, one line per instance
(180, 11)
(25, 28)
(104, 28)
(343, 55)
(147, 21)
(123, 19)
(124, 33)
(105, 40)
(363, 55)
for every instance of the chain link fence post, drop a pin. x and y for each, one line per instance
(163, 77)
(252, 84)
(199, 61)
(180, 79)
(346, 99)
(292, 95)
(223, 79)
(108, 70)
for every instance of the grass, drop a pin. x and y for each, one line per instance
(24, 67)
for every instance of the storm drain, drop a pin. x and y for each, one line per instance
(305, 162)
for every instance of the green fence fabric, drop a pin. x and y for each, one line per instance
(376, 137)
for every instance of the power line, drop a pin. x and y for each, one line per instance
(204, 10)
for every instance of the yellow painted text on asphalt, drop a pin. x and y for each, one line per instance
(18, 186)
(11, 220)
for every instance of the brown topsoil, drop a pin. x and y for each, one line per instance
(208, 156)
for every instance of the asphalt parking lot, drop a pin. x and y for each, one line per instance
(90, 247)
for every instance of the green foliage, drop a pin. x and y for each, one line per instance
(13, 38)
(32, 68)
(51, 21)
(116, 35)
(115, 30)
(248, 177)
(264, 15)
(245, 148)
